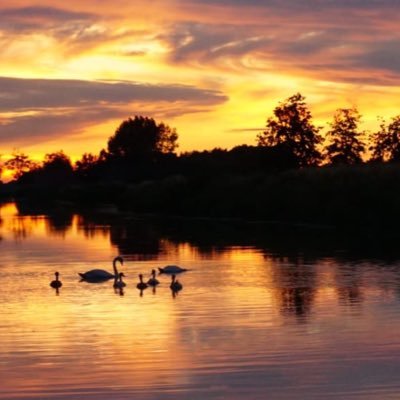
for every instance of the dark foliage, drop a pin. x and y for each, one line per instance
(56, 170)
(142, 139)
(347, 144)
(386, 142)
(292, 127)
(19, 164)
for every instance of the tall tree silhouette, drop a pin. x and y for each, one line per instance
(346, 140)
(385, 144)
(291, 127)
(141, 138)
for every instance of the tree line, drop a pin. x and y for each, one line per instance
(141, 149)
(345, 143)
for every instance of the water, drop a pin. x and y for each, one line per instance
(256, 319)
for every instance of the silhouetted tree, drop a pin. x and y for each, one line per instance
(20, 163)
(86, 164)
(141, 138)
(291, 127)
(93, 167)
(56, 169)
(386, 142)
(57, 162)
(346, 141)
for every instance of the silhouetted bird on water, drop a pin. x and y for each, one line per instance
(175, 285)
(119, 283)
(99, 275)
(141, 285)
(153, 281)
(171, 269)
(56, 284)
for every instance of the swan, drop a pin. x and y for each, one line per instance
(175, 284)
(119, 283)
(98, 275)
(153, 281)
(141, 285)
(171, 269)
(56, 283)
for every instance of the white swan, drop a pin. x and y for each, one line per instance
(56, 283)
(175, 284)
(119, 283)
(153, 281)
(141, 285)
(98, 275)
(171, 269)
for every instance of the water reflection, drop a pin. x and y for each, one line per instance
(254, 316)
(145, 239)
(349, 285)
(57, 291)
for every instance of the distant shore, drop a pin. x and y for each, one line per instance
(341, 196)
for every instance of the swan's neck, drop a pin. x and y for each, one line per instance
(115, 268)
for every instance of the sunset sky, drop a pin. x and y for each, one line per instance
(70, 72)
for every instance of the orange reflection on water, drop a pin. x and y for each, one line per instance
(96, 337)
(246, 322)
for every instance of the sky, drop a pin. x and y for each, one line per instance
(71, 72)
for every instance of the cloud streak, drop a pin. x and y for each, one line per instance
(323, 50)
(43, 108)
(26, 94)
(40, 18)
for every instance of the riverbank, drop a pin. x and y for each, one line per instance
(365, 196)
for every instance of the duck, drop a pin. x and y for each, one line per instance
(153, 281)
(171, 269)
(98, 275)
(175, 284)
(56, 284)
(119, 283)
(141, 285)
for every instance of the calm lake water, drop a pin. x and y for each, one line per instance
(258, 317)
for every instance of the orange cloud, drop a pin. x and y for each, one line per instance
(209, 68)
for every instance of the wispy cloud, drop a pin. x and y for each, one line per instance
(38, 18)
(301, 49)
